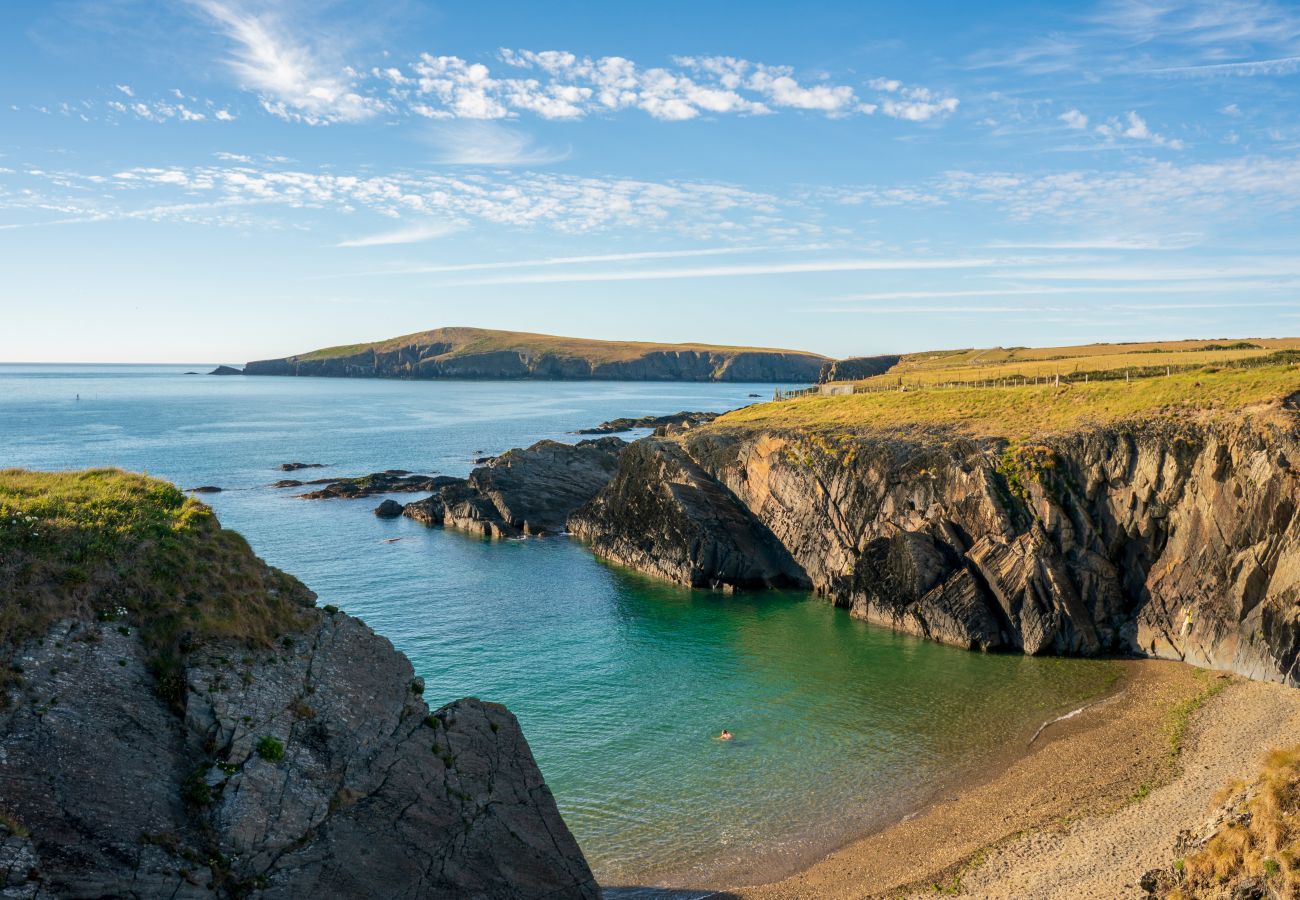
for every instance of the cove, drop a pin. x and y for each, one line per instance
(620, 683)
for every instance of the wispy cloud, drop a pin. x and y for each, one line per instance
(412, 234)
(748, 270)
(292, 79)
(598, 259)
(488, 144)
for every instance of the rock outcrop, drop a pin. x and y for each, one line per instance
(531, 491)
(475, 353)
(295, 763)
(672, 420)
(856, 367)
(225, 370)
(1164, 539)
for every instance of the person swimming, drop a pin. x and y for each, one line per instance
(725, 736)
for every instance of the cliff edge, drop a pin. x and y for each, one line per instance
(1157, 518)
(178, 719)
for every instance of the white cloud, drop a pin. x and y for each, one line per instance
(914, 104)
(563, 203)
(1074, 119)
(754, 269)
(1135, 128)
(126, 89)
(293, 82)
(413, 234)
(600, 259)
(488, 144)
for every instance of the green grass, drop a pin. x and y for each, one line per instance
(468, 341)
(1181, 714)
(110, 545)
(1020, 412)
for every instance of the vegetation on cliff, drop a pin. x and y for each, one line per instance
(110, 545)
(1018, 412)
(1251, 847)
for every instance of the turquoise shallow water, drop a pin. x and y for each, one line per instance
(620, 682)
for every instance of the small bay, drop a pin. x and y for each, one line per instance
(620, 682)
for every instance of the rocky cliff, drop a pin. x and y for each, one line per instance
(176, 743)
(482, 354)
(1169, 538)
(856, 367)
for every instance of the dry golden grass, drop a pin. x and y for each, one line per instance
(1261, 839)
(466, 341)
(1024, 411)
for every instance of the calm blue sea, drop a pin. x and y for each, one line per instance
(620, 682)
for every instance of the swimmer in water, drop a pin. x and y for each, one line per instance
(725, 736)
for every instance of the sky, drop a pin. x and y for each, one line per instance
(225, 180)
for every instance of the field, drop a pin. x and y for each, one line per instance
(466, 341)
(965, 366)
(1019, 412)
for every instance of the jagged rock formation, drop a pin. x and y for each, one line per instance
(856, 367)
(523, 492)
(664, 515)
(676, 420)
(477, 353)
(272, 765)
(1173, 540)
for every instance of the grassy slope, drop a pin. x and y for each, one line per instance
(478, 340)
(1023, 411)
(998, 362)
(107, 544)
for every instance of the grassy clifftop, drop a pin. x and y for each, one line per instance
(992, 363)
(471, 341)
(1019, 412)
(106, 544)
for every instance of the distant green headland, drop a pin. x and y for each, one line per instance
(477, 353)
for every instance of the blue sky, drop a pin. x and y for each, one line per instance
(222, 180)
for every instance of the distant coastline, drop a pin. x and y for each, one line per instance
(482, 354)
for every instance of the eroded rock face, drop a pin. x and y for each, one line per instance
(664, 515)
(1177, 541)
(523, 492)
(309, 769)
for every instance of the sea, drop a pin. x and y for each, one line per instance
(621, 682)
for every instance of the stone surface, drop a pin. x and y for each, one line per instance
(679, 419)
(523, 492)
(662, 514)
(123, 797)
(1177, 540)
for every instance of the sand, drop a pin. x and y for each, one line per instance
(1093, 803)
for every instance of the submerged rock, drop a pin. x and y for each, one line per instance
(393, 481)
(205, 489)
(389, 509)
(680, 419)
(296, 466)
